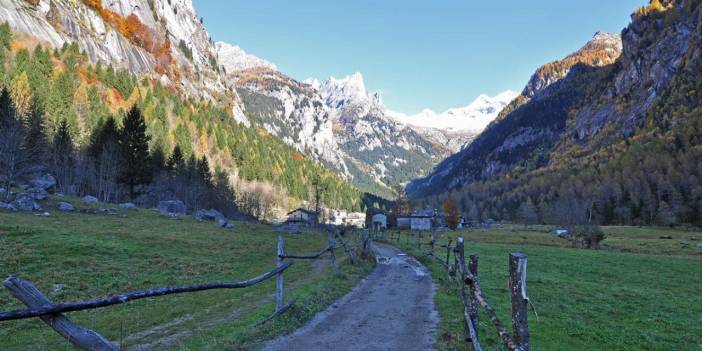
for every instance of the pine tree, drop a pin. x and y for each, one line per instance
(37, 139)
(106, 134)
(175, 162)
(134, 152)
(203, 168)
(63, 159)
(158, 159)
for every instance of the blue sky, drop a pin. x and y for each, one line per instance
(418, 54)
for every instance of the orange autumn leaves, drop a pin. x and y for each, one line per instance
(137, 33)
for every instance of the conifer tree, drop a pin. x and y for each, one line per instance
(134, 151)
(37, 139)
(63, 157)
(175, 162)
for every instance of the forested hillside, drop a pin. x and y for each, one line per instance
(81, 110)
(615, 144)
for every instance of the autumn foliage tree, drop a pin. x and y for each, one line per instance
(453, 214)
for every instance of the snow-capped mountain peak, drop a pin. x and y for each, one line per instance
(472, 118)
(340, 92)
(233, 58)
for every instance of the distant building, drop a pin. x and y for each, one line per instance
(461, 223)
(337, 217)
(380, 221)
(302, 216)
(404, 222)
(421, 222)
(415, 222)
(356, 219)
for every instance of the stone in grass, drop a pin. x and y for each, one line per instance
(223, 223)
(128, 206)
(37, 193)
(6, 206)
(173, 208)
(207, 215)
(65, 207)
(90, 200)
(45, 182)
(699, 246)
(25, 202)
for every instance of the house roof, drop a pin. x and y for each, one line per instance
(414, 216)
(302, 210)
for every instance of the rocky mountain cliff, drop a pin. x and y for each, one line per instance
(340, 123)
(164, 40)
(530, 124)
(612, 134)
(233, 58)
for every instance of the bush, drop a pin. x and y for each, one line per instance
(586, 236)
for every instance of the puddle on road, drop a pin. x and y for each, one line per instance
(405, 261)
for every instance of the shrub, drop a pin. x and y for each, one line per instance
(586, 236)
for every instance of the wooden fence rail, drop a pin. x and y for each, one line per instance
(472, 298)
(52, 314)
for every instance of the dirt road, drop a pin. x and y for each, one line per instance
(392, 309)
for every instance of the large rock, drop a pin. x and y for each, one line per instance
(128, 206)
(37, 193)
(223, 223)
(25, 202)
(90, 200)
(699, 246)
(45, 182)
(207, 215)
(6, 206)
(65, 207)
(173, 208)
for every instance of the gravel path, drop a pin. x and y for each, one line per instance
(392, 309)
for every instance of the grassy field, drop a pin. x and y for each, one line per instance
(638, 292)
(72, 256)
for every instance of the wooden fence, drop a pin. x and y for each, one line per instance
(471, 294)
(39, 306)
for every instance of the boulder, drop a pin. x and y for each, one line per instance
(65, 207)
(223, 223)
(173, 208)
(46, 182)
(207, 215)
(128, 206)
(90, 200)
(25, 202)
(6, 206)
(699, 246)
(37, 193)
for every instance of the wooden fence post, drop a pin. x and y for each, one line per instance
(473, 268)
(517, 287)
(348, 251)
(83, 338)
(419, 241)
(331, 243)
(432, 243)
(448, 255)
(279, 285)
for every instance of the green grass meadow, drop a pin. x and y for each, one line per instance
(72, 256)
(637, 292)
